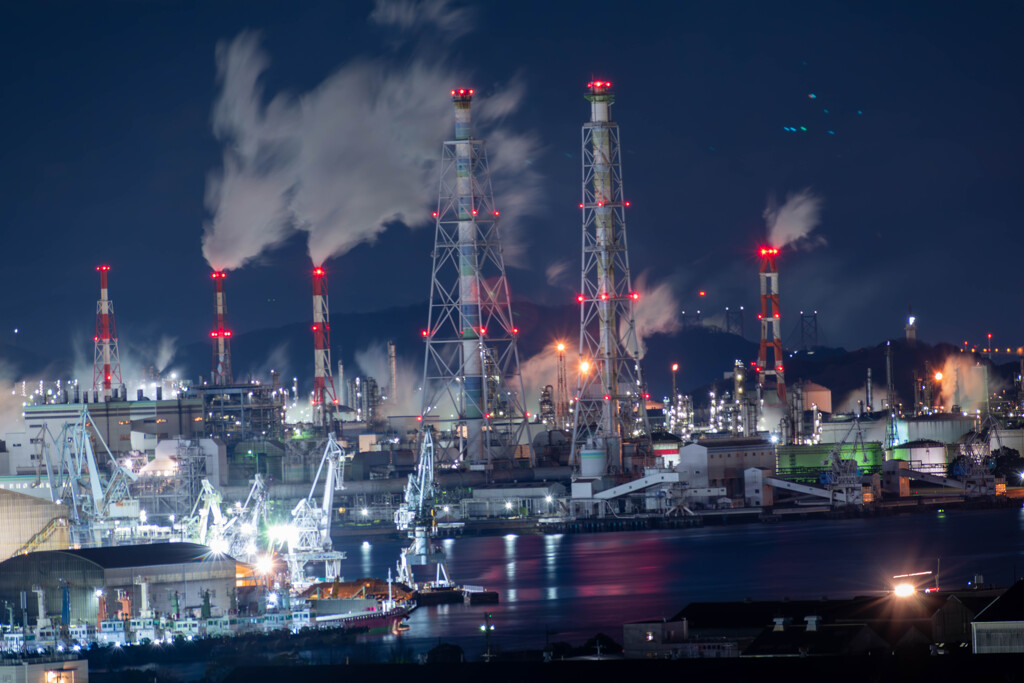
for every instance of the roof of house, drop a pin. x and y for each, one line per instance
(1007, 607)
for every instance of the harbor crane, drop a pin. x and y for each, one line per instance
(235, 535)
(416, 517)
(96, 505)
(308, 537)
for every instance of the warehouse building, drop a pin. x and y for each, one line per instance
(170, 574)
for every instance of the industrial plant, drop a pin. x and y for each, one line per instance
(168, 507)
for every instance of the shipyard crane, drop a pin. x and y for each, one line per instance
(841, 476)
(242, 531)
(198, 527)
(416, 517)
(95, 506)
(308, 537)
(235, 535)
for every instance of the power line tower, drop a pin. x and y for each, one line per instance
(471, 381)
(610, 406)
(221, 334)
(734, 320)
(770, 328)
(808, 330)
(106, 366)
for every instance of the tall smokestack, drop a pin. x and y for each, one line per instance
(324, 398)
(392, 372)
(868, 397)
(221, 335)
(769, 373)
(106, 367)
(610, 405)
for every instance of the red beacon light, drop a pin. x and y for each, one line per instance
(435, 214)
(579, 298)
(607, 397)
(604, 296)
(515, 330)
(318, 271)
(474, 212)
(316, 327)
(483, 331)
(103, 269)
(216, 275)
(419, 418)
(424, 333)
(227, 333)
(635, 296)
(496, 213)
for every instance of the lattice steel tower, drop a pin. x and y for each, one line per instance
(769, 373)
(472, 389)
(609, 407)
(106, 366)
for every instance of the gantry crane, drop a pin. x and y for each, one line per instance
(416, 516)
(96, 505)
(308, 537)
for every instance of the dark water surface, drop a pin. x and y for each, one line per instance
(570, 587)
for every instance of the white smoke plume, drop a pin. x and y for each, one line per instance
(165, 352)
(276, 361)
(556, 273)
(794, 221)
(657, 310)
(354, 154)
(541, 369)
(966, 380)
(450, 19)
(373, 362)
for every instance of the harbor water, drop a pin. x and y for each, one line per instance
(569, 587)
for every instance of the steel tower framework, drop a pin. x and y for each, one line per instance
(771, 324)
(324, 398)
(471, 382)
(106, 366)
(221, 335)
(609, 406)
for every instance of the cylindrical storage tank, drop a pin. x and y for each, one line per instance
(592, 462)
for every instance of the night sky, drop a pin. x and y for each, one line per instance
(110, 149)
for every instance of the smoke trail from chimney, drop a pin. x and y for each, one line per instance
(794, 221)
(347, 158)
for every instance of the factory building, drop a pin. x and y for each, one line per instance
(720, 462)
(167, 574)
(124, 425)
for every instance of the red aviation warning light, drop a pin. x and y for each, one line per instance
(318, 272)
(599, 85)
(635, 296)
(579, 298)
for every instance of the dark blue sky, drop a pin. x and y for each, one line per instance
(108, 145)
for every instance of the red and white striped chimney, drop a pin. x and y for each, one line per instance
(106, 368)
(324, 398)
(221, 335)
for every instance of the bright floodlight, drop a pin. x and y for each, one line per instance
(938, 376)
(219, 546)
(904, 590)
(264, 565)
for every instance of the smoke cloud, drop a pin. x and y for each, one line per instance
(356, 153)
(373, 362)
(165, 352)
(557, 273)
(966, 381)
(411, 15)
(794, 221)
(657, 311)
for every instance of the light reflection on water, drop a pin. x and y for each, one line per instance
(569, 587)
